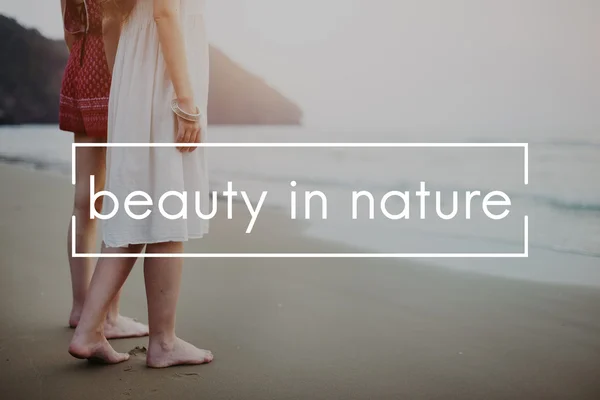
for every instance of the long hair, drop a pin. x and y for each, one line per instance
(117, 8)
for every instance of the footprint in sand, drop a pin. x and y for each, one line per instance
(138, 350)
(186, 375)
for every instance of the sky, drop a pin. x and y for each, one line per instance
(480, 66)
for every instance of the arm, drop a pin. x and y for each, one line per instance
(69, 38)
(170, 36)
(111, 32)
(166, 15)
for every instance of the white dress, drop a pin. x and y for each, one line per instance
(140, 112)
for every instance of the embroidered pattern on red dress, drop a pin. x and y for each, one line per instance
(86, 81)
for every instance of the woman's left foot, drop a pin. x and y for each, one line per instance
(124, 327)
(178, 352)
(120, 328)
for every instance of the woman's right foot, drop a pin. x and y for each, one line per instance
(96, 349)
(177, 352)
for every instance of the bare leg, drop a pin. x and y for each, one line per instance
(92, 161)
(89, 341)
(163, 278)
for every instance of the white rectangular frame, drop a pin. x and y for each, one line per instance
(524, 146)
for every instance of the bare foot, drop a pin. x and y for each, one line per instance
(124, 327)
(179, 352)
(96, 349)
(121, 328)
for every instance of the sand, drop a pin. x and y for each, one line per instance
(291, 328)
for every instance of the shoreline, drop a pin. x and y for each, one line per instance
(562, 228)
(588, 278)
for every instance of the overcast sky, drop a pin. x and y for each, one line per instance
(459, 65)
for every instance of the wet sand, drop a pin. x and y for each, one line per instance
(291, 328)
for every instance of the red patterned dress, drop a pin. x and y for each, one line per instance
(86, 81)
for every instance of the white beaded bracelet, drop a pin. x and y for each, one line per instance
(184, 115)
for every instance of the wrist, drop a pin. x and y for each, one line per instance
(186, 112)
(187, 104)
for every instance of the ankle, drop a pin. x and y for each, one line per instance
(89, 333)
(163, 341)
(76, 307)
(112, 318)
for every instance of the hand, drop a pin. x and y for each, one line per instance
(188, 131)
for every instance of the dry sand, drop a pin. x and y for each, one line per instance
(291, 328)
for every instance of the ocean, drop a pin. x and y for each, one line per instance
(561, 200)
